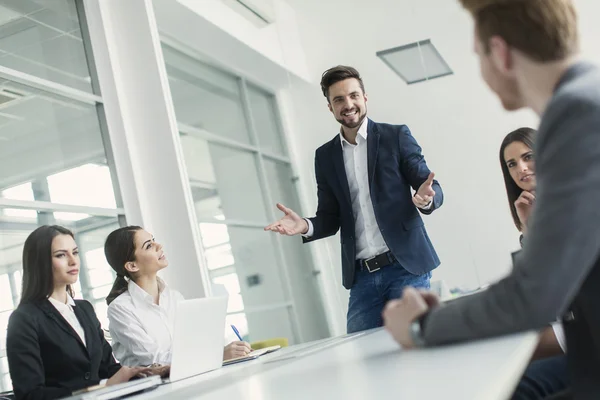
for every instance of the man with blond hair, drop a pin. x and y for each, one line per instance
(528, 55)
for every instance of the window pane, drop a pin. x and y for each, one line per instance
(86, 185)
(270, 324)
(231, 284)
(257, 266)
(205, 97)
(102, 312)
(18, 283)
(308, 302)
(224, 182)
(6, 382)
(241, 324)
(42, 38)
(266, 120)
(52, 150)
(4, 316)
(101, 292)
(6, 301)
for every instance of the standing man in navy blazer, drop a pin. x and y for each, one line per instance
(364, 175)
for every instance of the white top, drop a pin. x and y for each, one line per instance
(66, 310)
(141, 331)
(369, 241)
(559, 332)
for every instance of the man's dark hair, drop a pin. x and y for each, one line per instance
(337, 74)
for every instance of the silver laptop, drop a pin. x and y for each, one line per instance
(198, 337)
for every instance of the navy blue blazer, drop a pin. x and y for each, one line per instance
(395, 164)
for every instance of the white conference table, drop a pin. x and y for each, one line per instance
(368, 365)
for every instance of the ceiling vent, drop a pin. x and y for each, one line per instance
(416, 62)
(8, 95)
(258, 12)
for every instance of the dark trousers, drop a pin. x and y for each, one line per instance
(543, 378)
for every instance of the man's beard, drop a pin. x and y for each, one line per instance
(354, 125)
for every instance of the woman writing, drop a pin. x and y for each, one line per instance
(141, 307)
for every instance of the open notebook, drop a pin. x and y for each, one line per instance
(252, 355)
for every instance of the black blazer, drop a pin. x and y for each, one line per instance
(395, 164)
(46, 357)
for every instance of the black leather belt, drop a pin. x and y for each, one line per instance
(377, 262)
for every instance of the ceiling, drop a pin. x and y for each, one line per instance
(43, 38)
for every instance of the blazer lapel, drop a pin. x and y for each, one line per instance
(372, 150)
(338, 162)
(56, 316)
(87, 325)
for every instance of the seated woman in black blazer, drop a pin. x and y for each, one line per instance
(55, 344)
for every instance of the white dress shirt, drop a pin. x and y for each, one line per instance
(66, 310)
(559, 333)
(142, 332)
(369, 241)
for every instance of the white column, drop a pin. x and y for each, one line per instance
(143, 133)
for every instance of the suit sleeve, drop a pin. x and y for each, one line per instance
(414, 168)
(327, 221)
(562, 244)
(25, 362)
(108, 365)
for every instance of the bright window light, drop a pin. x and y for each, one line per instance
(69, 216)
(88, 185)
(19, 192)
(213, 234)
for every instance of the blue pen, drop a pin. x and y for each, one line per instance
(237, 333)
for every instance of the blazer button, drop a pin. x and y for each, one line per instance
(87, 376)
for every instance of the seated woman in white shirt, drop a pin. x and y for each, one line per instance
(55, 344)
(141, 307)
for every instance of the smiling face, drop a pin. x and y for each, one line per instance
(348, 102)
(521, 166)
(65, 261)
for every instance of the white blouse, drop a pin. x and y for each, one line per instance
(141, 331)
(66, 310)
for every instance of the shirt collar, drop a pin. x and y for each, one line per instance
(362, 131)
(140, 296)
(59, 305)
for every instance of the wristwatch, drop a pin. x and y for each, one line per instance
(416, 332)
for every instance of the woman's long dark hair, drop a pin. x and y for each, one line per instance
(119, 249)
(38, 279)
(513, 191)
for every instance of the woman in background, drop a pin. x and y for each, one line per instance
(55, 344)
(547, 374)
(141, 307)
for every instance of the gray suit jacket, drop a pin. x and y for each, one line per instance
(559, 267)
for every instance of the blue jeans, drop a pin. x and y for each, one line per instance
(543, 378)
(371, 292)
